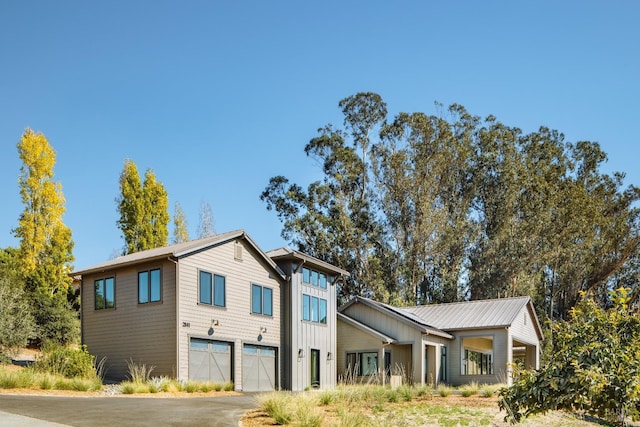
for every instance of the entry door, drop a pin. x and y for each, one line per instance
(258, 368)
(315, 368)
(210, 360)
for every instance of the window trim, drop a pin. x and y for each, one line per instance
(213, 288)
(262, 299)
(104, 292)
(359, 357)
(311, 309)
(149, 286)
(310, 275)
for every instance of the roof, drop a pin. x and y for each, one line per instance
(179, 250)
(288, 253)
(364, 328)
(479, 314)
(397, 313)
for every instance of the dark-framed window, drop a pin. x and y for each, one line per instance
(149, 286)
(261, 300)
(443, 363)
(314, 309)
(105, 293)
(211, 289)
(314, 278)
(477, 363)
(362, 364)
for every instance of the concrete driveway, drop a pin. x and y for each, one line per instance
(28, 410)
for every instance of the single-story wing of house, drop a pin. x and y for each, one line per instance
(456, 343)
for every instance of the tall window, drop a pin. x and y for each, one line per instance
(212, 289)
(261, 300)
(105, 293)
(314, 278)
(314, 309)
(149, 286)
(478, 363)
(443, 363)
(362, 364)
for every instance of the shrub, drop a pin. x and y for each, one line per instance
(16, 321)
(66, 361)
(444, 390)
(278, 406)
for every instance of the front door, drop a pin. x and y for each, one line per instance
(315, 368)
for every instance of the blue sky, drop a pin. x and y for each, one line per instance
(218, 96)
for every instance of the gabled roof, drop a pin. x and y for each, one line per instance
(178, 251)
(398, 314)
(479, 314)
(366, 329)
(291, 254)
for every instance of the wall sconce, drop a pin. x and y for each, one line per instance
(300, 353)
(214, 322)
(329, 356)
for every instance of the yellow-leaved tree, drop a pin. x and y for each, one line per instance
(46, 247)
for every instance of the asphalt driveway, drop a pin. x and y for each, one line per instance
(123, 411)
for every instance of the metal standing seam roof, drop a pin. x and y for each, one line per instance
(471, 314)
(404, 316)
(178, 250)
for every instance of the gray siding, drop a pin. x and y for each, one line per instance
(144, 333)
(307, 335)
(501, 356)
(235, 322)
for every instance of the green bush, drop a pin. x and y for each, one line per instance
(16, 321)
(67, 362)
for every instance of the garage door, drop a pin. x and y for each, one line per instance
(210, 360)
(258, 368)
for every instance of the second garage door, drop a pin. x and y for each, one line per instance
(258, 368)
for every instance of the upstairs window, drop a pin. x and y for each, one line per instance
(212, 289)
(261, 300)
(314, 309)
(105, 293)
(314, 278)
(149, 286)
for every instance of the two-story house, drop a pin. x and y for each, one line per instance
(215, 309)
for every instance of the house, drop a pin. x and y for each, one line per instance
(458, 343)
(215, 309)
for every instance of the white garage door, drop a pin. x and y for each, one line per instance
(210, 360)
(258, 368)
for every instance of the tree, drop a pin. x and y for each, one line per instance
(143, 209)
(44, 256)
(438, 208)
(206, 226)
(594, 366)
(16, 321)
(45, 241)
(180, 228)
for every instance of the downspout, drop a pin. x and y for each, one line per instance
(81, 312)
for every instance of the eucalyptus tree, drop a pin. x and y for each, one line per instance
(206, 226)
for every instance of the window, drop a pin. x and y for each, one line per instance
(261, 300)
(306, 307)
(477, 363)
(323, 311)
(212, 290)
(314, 278)
(362, 364)
(149, 286)
(443, 363)
(105, 293)
(314, 309)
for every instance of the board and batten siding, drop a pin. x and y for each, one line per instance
(306, 335)
(233, 323)
(501, 352)
(142, 333)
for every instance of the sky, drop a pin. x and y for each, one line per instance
(219, 96)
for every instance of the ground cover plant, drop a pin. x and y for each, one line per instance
(376, 405)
